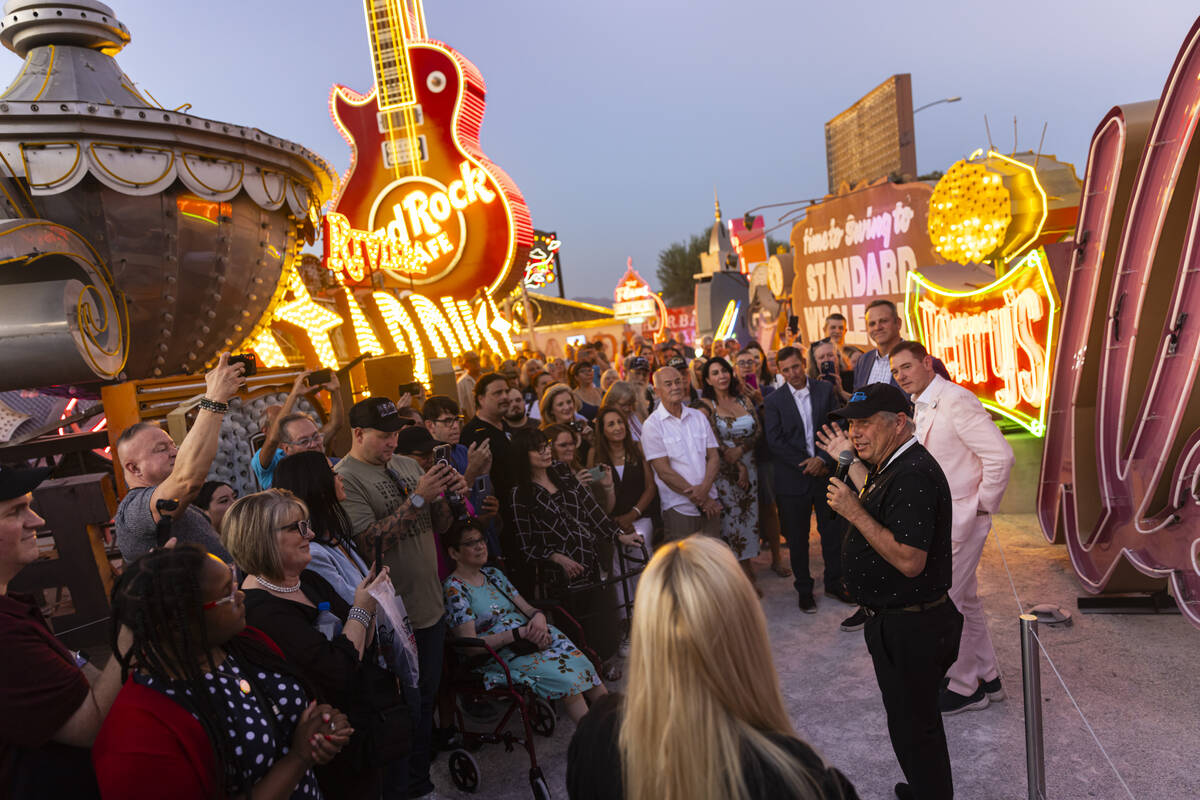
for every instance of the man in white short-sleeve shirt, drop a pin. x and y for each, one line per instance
(679, 444)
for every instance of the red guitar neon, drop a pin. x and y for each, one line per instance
(420, 199)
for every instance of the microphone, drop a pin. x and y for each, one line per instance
(845, 459)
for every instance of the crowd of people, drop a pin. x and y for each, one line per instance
(289, 643)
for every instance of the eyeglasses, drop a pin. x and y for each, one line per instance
(540, 448)
(465, 543)
(309, 441)
(450, 420)
(302, 527)
(232, 592)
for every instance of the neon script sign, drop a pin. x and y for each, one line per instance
(416, 228)
(996, 340)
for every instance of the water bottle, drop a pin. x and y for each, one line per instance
(329, 625)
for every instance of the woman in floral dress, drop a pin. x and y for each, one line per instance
(481, 602)
(737, 429)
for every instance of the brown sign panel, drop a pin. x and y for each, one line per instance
(874, 137)
(856, 248)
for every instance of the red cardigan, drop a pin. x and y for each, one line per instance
(150, 745)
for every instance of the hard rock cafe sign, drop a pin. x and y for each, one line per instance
(425, 231)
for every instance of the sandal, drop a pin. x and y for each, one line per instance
(781, 569)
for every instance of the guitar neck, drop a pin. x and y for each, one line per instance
(391, 26)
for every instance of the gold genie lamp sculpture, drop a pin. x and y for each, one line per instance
(135, 240)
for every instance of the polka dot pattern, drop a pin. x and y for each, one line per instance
(258, 742)
(911, 499)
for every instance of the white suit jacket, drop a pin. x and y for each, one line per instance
(956, 429)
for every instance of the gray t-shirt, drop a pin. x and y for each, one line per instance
(136, 528)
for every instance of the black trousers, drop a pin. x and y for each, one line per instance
(911, 652)
(795, 515)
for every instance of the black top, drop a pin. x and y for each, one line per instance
(628, 487)
(567, 521)
(333, 669)
(594, 762)
(501, 473)
(909, 497)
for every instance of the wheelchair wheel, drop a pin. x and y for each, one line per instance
(464, 770)
(542, 717)
(537, 784)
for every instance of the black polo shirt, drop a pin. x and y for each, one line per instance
(909, 497)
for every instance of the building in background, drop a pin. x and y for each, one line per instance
(874, 137)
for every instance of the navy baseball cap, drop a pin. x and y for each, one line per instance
(17, 482)
(639, 362)
(871, 399)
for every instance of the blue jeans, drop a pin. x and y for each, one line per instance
(409, 777)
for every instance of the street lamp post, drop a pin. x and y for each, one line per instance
(935, 102)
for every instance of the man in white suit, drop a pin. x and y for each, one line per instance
(954, 427)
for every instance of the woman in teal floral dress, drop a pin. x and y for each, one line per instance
(481, 602)
(737, 430)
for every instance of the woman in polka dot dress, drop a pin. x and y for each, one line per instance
(210, 708)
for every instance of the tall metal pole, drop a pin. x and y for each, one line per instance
(1031, 683)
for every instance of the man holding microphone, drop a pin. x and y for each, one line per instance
(896, 564)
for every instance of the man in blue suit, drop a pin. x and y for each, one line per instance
(794, 413)
(883, 327)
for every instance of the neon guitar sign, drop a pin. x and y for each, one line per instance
(421, 203)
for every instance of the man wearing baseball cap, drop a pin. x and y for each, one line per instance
(896, 563)
(388, 495)
(51, 700)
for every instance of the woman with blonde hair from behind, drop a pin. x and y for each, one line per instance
(703, 718)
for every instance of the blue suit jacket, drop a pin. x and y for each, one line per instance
(786, 439)
(862, 370)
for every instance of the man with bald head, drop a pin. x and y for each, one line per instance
(155, 470)
(680, 445)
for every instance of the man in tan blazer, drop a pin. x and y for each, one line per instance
(956, 429)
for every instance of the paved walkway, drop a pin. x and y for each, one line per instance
(1133, 676)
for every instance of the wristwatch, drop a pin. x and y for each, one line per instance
(418, 501)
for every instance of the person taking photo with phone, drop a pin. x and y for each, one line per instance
(289, 432)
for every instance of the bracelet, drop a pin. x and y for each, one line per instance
(214, 406)
(638, 511)
(360, 614)
(516, 634)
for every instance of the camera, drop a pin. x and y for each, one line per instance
(248, 361)
(319, 377)
(576, 425)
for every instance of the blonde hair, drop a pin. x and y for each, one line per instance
(248, 530)
(702, 687)
(623, 392)
(547, 402)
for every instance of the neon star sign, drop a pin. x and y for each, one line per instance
(998, 340)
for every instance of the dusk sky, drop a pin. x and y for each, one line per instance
(617, 119)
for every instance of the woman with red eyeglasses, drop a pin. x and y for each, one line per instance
(210, 708)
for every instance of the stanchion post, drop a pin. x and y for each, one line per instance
(1031, 681)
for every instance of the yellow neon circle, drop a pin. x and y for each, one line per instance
(970, 211)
